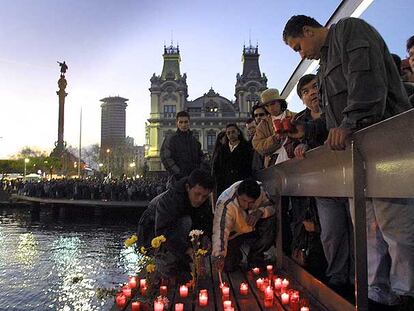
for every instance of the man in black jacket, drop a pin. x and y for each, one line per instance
(174, 213)
(181, 152)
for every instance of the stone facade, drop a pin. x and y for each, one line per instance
(209, 113)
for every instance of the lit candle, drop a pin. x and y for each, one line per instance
(226, 304)
(259, 282)
(132, 282)
(143, 283)
(225, 290)
(256, 270)
(229, 309)
(183, 291)
(158, 306)
(120, 300)
(136, 306)
(285, 298)
(163, 290)
(204, 292)
(304, 309)
(127, 292)
(294, 300)
(269, 292)
(202, 300)
(268, 302)
(244, 289)
(143, 290)
(285, 283)
(269, 269)
(278, 283)
(179, 307)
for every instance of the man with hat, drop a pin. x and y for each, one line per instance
(266, 141)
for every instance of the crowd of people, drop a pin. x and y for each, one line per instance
(358, 84)
(141, 189)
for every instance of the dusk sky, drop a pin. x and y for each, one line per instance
(113, 48)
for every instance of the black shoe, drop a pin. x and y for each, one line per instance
(376, 306)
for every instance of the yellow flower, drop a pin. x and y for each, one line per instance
(156, 242)
(143, 250)
(131, 241)
(201, 252)
(150, 268)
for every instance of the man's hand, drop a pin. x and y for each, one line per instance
(337, 137)
(218, 263)
(253, 218)
(300, 151)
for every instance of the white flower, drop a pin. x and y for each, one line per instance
(195, 233)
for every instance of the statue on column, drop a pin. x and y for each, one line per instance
(63, 68)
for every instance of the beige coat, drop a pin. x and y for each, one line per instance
(265, 141)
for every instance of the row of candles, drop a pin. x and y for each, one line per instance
(274, 285)
(269, 286)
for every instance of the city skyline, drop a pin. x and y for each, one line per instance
(113, 49)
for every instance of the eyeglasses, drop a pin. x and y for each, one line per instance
(259, 114)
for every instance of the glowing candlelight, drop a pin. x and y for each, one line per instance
(256, 270)
(278, 283)
(183, 291)
(225, 290)
(179, 307)
(285, 298)
(136, 306)
(127, 292)
(304, 309)
(226, 304)
(285, 283)
(269, 292)
(120, 300)
(269, 269)
(158, 306)
(143, 290)
(163, 290)
(244, 289)
(259, 282)
(143, 283)
(202, 300)
(132, 282)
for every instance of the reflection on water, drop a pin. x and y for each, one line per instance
(55, 258)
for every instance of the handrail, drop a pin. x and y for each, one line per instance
(380, 157)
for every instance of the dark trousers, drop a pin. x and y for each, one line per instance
(260, 240)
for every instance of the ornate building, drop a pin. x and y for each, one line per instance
(209, 113)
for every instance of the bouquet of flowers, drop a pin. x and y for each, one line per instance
(198, 253)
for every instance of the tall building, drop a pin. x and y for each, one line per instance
(209, 113)
(113, 117)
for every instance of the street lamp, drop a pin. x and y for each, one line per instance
(26, 160)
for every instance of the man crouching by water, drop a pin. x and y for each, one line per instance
(244, 214)
(174, 213)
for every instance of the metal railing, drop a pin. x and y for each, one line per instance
(378, 163)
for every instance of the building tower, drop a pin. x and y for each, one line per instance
(169, 94)
(251, 82)
(113, 138)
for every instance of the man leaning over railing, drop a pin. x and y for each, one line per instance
(359, 85)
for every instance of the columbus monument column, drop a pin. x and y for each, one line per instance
(60, 145)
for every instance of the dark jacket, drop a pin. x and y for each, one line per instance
(230, 167)
(181, 153)
(164, 210)
(358, 80)
(315, 129)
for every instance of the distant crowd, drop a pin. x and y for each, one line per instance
(89, 189)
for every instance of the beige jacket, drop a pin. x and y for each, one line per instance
(230, 220)
(265, 140)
